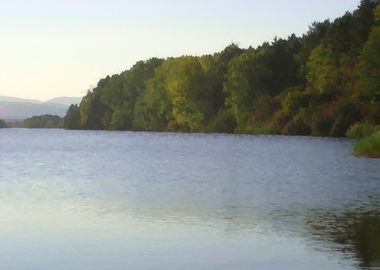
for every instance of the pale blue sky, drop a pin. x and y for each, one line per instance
(52, 48)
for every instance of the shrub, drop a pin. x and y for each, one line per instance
(368, 146)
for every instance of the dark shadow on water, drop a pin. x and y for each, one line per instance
(356, 233)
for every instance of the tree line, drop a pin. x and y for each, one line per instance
(43, 121)
(320, 83)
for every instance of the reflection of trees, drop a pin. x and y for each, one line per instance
(356, 232)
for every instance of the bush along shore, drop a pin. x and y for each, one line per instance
(368, 137)
(368, 146)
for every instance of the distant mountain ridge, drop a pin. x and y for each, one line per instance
(65, 100)
(12, 108)
(15, 99)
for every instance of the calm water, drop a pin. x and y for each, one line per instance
(120, 200)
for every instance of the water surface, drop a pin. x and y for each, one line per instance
(122, 200)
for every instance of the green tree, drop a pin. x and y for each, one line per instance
(121, 93)
(321, 70)
(72, 118)
(369, 66)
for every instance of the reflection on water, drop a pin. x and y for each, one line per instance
(356, 233)
(119, 200)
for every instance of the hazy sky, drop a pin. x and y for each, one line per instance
(52, 48)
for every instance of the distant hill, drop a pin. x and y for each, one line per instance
(65, 100)
(12, 108)
(22, 110)
(14, 99)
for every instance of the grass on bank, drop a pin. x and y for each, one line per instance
(368, 146)
(361, 130)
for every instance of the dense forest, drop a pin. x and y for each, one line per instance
(320, 84)
(43, 121)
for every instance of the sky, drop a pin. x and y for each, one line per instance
(51, 48)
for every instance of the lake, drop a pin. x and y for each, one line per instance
(123, 200)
